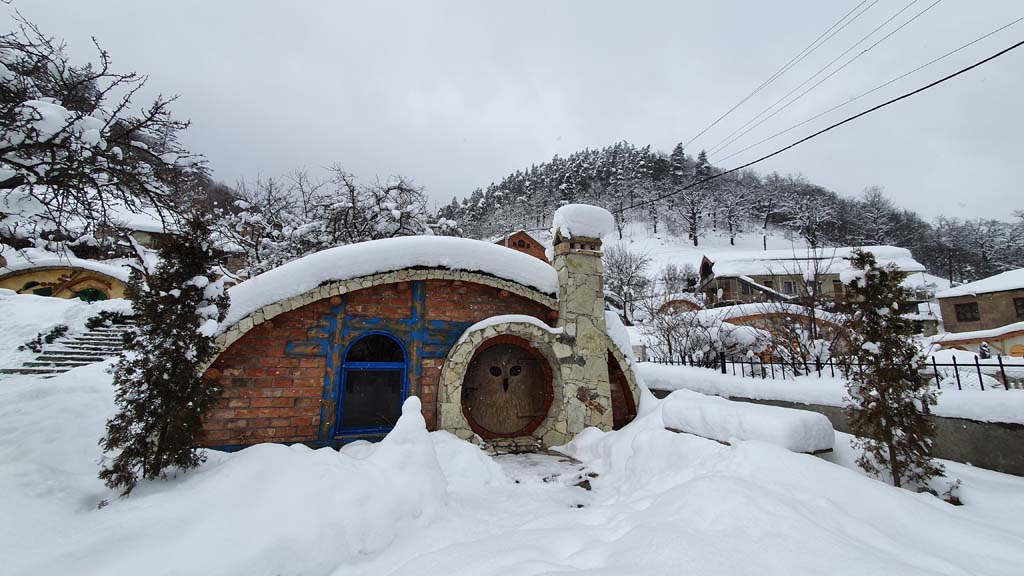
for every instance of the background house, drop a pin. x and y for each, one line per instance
(785, 275)
(988, 310)
(522, 241)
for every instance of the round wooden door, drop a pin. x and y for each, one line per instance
(506, 391)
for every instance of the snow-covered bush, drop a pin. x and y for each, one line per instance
(888, 397)
(162, 396)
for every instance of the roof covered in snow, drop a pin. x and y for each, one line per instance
(378, 256)
(798, 261)
(1010, 280)
(35, 258)
(582, 220)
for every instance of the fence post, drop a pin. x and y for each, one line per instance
(1006, 383)
(831, 367)
(721, 356)
(771, 364)
(977, 364)
(956, 370)
(937, 379)
(817, 365)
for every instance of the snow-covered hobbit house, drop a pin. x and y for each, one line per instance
(498, 345)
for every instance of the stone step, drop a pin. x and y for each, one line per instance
(83, 340)
(87, 351)
(58, 363)
(89, 345)
(41, 371)
(72, 355)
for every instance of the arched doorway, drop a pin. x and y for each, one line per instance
(373, 384)
(507, 389)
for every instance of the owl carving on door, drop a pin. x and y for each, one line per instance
(505, 389)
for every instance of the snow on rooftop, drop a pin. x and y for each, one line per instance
(991, 334)
(377, 256)
(582, 220)
(1010, 280)
(799, 261)
(34, 258)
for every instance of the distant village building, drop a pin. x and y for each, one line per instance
(784, 275)
(522, 241)
(499, 346)
(988, 310)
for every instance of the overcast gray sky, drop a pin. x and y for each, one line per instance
(458, 94)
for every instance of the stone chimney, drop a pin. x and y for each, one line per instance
(586, 392)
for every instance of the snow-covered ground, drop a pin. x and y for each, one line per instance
(424, 503)
(24, 316)
(988, 406)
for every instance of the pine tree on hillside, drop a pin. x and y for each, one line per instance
(161, 394)
(889, 399)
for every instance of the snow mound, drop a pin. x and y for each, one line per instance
(727, 421)
(377, 256)
(582, 220)
(264, 510)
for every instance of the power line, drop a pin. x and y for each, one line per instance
(788, 65)
(831, 74)
(873, 90)
(863, 39)
(824, 130)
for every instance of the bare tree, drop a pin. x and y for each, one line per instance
(70, 142)
(625, 275)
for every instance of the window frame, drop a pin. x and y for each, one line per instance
(962, 312)
(1018, 307)
(338, 430)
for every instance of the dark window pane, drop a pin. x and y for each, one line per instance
(1018, 305)
(967, 312)
(375, 348)
(371, 398)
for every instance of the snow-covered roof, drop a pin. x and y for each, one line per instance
(799, 261)
(377, 256)
(1010, 280)
(727, 313)
(991, 333)
(35, 258)
(541, 241)
(582, 220)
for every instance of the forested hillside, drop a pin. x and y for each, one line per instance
(650, 186)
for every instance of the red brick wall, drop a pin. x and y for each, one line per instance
(271, 396)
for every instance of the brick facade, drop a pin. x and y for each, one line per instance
(280, 377)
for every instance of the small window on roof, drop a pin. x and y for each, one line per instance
(1018, 306)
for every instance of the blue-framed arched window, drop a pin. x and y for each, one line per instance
(373, 384)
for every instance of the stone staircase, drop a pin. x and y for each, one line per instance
(70, 352)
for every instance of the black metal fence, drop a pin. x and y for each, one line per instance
(981, 374)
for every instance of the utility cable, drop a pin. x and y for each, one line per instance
(733, 135)
(807, 51)
(873, 90)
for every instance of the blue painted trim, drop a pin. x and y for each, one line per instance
(338, 430)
